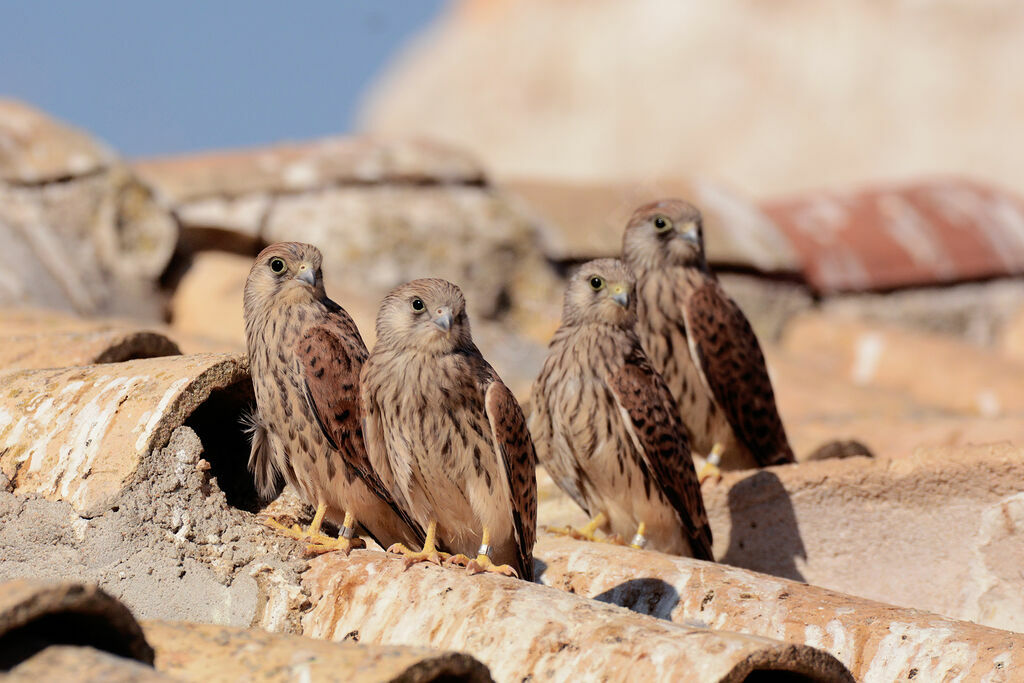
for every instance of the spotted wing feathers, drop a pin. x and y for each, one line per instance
(664, 446)
(519, 466)
(728, 354)
(330, 369)
(332, 355)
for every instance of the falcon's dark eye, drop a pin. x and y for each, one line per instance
(661, 224)
(418, 305)
(596, 283)
(277, 265)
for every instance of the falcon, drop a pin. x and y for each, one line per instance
(701, 343)
(606, 427)
(305, 355)
(447, 436)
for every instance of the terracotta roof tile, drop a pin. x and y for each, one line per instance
(684, 590)
(35, 147)
(213, 652)
(533, 631)
(933, 530)
(66, 612)
(962, 378)
(297, 167)
(930, 232)
(83, 443)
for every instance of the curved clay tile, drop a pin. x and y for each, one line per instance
(925, 233)
(203, 652)
(301, 167)
(524, 631)
(858, 632)
(37, 614)
(931, 522)
(79, 230)
(63, 349)
(77, 434)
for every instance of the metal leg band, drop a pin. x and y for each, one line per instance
(484, 550)
(346, 532)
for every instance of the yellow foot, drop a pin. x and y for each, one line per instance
(587, 533)
(709, 471)
(428, 554)
(710, 467)
(482, 563)
(318, 543)
(293, 531)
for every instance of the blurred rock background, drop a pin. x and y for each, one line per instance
(79, 231)
(770, 99)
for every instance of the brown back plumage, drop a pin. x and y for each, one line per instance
(332, 356)
(698, 338)
(446, 432)
(734, 368)
(306, 355)
(520, 465)
(666, 450)
(605, 425)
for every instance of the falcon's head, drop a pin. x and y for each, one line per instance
(424, 315)
(284, 273)
(601, 291)
(666, 233)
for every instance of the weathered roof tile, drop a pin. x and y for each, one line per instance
(60, 613)
(35, 148)
(935, 530)
(298, 167)
(932, 369)
(210, 652)
(856, 631)
(77, 434)
(522, 630)
(928, 232)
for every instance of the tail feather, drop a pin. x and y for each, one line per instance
(269, 480)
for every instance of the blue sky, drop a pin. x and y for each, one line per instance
(156, 78)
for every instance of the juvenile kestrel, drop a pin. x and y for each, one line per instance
(606, 427)
(446, 435)
(305, 355)
(700, 341)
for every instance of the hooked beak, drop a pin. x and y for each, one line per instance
(307, 275)
(620, 296)
(444, 319)
(690, 234)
